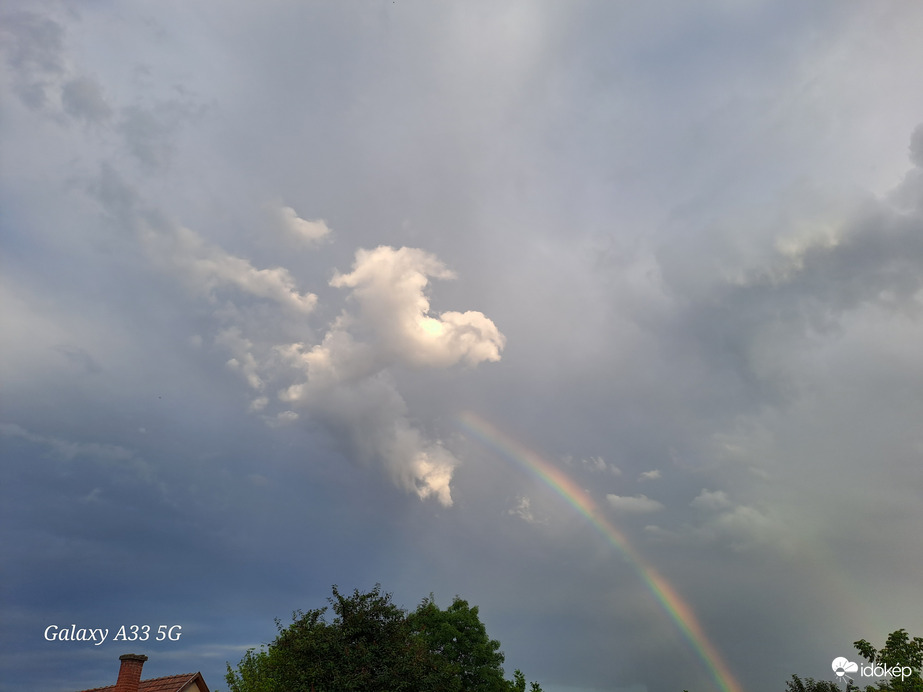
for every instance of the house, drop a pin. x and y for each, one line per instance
(129, 679)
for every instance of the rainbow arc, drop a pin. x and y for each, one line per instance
(678, 610)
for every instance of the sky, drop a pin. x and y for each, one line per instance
(604, 316)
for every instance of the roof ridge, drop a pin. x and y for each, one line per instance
(175, 675)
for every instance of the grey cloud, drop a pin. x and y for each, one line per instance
(712, 500)
(916, 146)
(873, 257)
(83, 98)
(118, 199)
(69, 450)
(80, 358)
(209, 270)
(744, 528)
(149, 133)
(877, 259)
(34, 46)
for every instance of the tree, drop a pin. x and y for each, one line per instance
(899, 651)
(371, 644)
(367, 646)
(796, 684)
(255, 673)
(519, 683)
(456, 636)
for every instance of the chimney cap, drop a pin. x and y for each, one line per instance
(133, 657)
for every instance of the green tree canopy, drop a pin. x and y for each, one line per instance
(456, 635)
(371, 644)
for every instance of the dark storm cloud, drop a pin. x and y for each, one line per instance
(871, 258)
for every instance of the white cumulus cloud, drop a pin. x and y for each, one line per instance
(345, 377)
(389, 288)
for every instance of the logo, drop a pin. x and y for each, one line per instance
(841, 666)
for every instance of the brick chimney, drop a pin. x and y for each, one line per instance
(130, 672)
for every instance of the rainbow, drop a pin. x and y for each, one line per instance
(678, 610)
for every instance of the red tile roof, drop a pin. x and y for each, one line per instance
(170, 683)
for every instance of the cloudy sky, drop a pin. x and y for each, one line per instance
(605, 316)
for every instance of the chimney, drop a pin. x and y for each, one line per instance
(130, 672)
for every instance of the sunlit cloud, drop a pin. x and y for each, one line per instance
(305, 231)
